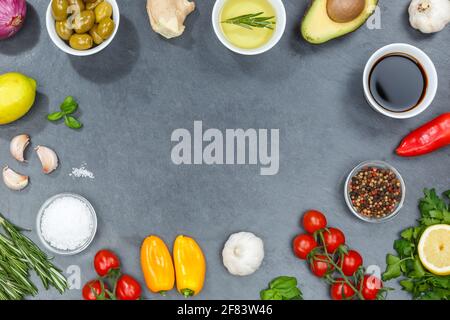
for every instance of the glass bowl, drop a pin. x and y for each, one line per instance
(381, 165)
(57, 250)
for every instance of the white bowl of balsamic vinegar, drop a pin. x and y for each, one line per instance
(400, 81)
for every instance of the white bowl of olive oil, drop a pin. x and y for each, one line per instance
(249, 27)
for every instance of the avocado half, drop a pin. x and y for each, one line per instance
(317, 27)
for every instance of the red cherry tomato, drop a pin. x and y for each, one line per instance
(314, 220)
(105, 261)
(371, 285)
(350, 262)
(340, 290)
(303, 244)
(320, 266)
(128, 288)
(333, 238)
(93, 290)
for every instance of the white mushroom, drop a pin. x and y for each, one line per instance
(18, 145)
(48, 158)
(14, 180)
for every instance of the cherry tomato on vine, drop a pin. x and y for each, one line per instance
(105, 261)
(350, 263)
(333, 238)
(93, 290)
(128, 288)
(320, 265)
(303, 244)
(340, 290)
(370, 286)
(314, 220)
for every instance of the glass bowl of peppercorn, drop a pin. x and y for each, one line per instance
(374, 191)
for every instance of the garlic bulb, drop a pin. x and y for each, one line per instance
(429, 16)
(14, 180)
(48, 158)
(243, 253)
(18, 145)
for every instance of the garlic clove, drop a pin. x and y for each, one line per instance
(18, 145)
(48, 158)
(13, 180)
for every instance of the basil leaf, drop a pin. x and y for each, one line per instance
(72, 123)
(283, 282)
(270, 294)
(69, 105)
(55, 116)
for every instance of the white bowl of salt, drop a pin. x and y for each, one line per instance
(66, 224)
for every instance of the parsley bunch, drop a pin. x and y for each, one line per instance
(416, 279)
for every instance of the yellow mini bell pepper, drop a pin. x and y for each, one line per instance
(157, 265)
(190, 266)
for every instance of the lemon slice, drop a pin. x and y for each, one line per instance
(434, 249)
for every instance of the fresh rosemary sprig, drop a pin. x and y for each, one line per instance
(19, 255)
(248, 21)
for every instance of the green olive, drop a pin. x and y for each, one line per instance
(94, 34)
(93, 5)
(59, 9)
(81, 41)
(76, 6)
(102, 11)
(105, 28)
(84, 21)
(63, 30)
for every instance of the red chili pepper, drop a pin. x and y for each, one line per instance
(428, 138)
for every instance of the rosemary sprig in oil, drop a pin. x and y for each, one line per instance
(255, 20)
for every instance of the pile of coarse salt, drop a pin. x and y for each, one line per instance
(82, 172)
(67, 223)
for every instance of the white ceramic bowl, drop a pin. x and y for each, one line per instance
(61, 44)
(376, 164)
(280, 14)
(422, 58)
(48, 245)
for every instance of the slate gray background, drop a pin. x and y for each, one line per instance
(142, 87)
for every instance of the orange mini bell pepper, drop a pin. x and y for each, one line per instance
(157, 265)
(190, 266)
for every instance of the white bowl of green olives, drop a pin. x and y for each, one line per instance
(82, 27)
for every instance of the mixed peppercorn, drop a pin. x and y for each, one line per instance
(375, 192)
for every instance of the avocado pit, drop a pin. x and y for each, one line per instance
(343, 11)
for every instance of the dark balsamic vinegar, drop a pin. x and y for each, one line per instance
(398, 82)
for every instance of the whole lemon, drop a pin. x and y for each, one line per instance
(17, 94)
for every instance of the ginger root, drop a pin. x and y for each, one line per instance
(167, 16)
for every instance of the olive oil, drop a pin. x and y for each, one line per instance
(242, 37)
(398, 82)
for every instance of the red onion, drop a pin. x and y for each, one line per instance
(12, 17)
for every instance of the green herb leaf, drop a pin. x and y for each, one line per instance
(282, 288)
(72, 122)
(283, 283)
(270, 294)
(69, 105)
(392, 268)
(248, 21)
(404, 248)
(55, 116)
